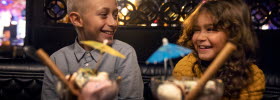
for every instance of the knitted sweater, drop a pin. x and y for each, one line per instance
(254, 91)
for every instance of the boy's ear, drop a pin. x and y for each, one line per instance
(75, 18)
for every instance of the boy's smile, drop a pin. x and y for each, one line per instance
(99, 21)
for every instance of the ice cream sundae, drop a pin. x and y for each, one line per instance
(173, 89)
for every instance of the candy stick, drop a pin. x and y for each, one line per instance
(211, 70)
(52, 66)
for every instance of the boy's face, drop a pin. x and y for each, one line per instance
(100, 20)
(208, 41)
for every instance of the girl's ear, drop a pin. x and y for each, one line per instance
(75, 18)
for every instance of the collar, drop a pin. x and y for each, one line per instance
(81, 52)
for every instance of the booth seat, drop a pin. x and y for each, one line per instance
(272, 89)
(22, 80)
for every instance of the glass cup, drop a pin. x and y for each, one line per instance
(173, 89)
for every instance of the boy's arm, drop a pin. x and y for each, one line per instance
(49, 87)
(131, 86)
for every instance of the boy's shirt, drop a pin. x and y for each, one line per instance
(70, 58)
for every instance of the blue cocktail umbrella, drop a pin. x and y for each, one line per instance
(166, 52)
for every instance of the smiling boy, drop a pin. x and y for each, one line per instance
(96, 20)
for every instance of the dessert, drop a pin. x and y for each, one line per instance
(173, 89)
(92, 85)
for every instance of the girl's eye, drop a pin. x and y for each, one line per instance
(211, 29)
(196, 30)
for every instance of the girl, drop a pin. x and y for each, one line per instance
(206, 31)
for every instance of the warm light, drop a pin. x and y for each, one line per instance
(129, 7)
(132, 1)
(121, 16)
(124, 11)
(165, 24)
(121, 23)
(182, 7)
(181, 19)
(166, 9)
(171, 14)
(141, 25)
(64, 19)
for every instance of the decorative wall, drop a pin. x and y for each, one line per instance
(169, 13)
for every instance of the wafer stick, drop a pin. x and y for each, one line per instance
(52, 66)
(211, 70)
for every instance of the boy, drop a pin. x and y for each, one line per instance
(96, 20)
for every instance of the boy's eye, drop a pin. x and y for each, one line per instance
(103, 14)
(115, 15)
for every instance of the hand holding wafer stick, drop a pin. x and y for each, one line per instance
(52, 66)
(211, 70)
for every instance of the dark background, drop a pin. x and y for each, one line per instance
(21, 77)
(43, 33)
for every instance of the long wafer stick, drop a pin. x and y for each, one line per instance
(52, 66)
(211, 70)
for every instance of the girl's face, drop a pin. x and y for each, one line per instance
(208, 41)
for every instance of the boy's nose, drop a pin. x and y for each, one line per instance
(111, 21)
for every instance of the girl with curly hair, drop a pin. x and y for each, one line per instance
(206, 30)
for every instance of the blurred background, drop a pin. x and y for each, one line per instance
(142, 24)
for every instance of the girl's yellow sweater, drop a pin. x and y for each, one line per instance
(184, 68)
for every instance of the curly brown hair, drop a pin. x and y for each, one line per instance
(233, 18)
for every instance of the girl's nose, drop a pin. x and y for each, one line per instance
(202, 36)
